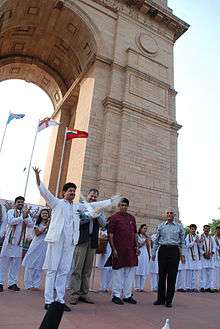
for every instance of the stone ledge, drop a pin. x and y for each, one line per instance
(123, 106)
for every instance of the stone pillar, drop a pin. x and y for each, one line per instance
(77, 160)
(55, 150)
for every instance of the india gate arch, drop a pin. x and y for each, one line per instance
(107, 66)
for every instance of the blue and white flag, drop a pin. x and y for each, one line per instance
(14, 116)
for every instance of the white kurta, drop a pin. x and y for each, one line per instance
(217, 251)
(181, 275)
(3, 221)
(143, 259)
(63, 232)
(217, 263)
(36, 253)
(193, 261)
(62, 236)
(208, 263)
(102, 258)
(106, 272)
(11, 246)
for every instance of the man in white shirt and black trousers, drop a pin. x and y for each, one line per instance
(170, 239)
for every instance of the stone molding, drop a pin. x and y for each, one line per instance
(110, 104)
(138, 9)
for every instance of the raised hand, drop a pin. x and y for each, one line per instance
(37, 174)
(116, 200)
(26, 211)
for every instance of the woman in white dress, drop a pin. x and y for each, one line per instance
(154, 276)
(35, 256)
(142, 270)
(105, 272)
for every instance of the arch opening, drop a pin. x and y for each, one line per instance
(46, 44)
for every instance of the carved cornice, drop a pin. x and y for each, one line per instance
(123, 106)
(139, 8)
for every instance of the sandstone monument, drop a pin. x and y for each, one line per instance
(107, 66)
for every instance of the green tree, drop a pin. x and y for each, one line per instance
(213, 224)
(186, 228)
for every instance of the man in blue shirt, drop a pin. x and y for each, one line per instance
(170, 239)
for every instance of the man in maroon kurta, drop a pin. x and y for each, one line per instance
(123, 241)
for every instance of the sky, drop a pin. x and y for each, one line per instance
(197, 81)
(19, 96)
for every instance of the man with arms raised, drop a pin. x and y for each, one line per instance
(62, 236)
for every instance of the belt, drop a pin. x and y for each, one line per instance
(169, 246)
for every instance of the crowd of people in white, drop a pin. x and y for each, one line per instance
(199, 273)
(59, 248)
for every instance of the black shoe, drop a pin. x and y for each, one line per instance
(14, 287)
(67, 308)
(181, 290)
(202, 290)
(85, 300)
(169, 305)
(46, 306)
(159, 302)
(130, 300)
(117, 300)
(1, 288)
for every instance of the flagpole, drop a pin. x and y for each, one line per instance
(31, 157)
(3, 137)
(61, 164)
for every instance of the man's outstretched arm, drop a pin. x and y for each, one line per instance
(50, 199)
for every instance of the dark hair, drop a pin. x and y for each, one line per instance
(193, 225)
(206, 225)
(217, 227)
(140, 228)
(68, 185)
(39, 219)
(124, 200)
(19, 198)
(93, 190)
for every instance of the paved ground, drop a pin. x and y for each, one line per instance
(24, 310)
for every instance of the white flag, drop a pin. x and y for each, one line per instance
(47, 122)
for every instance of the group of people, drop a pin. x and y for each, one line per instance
(201, 270)
(66, 237)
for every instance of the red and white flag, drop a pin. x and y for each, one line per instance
(47, 122)
(74, 133)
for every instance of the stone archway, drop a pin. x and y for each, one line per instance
(107, 65)
(53, 46)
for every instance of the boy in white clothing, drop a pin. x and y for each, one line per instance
(193, 260)
(207, 247)
(18, 219)
(217, 258)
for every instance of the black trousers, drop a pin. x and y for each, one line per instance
(168, 262)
